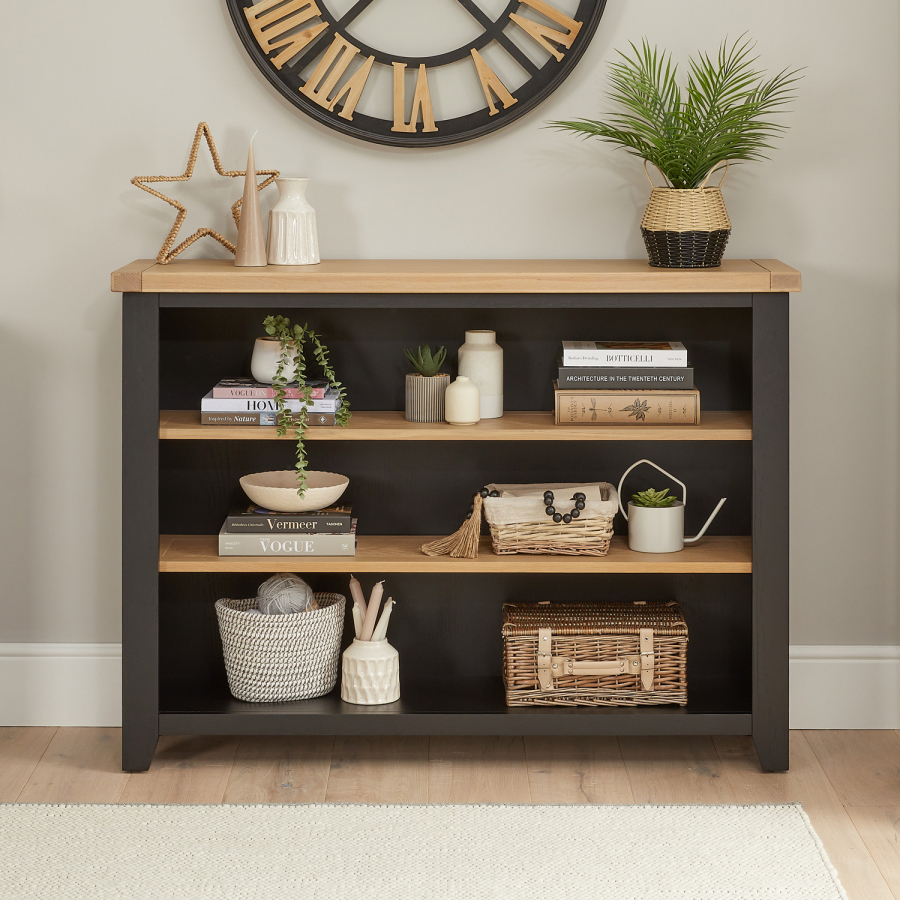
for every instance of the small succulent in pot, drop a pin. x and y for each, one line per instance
(653, 499)
(425, 388)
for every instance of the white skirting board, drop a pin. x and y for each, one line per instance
(81, 684)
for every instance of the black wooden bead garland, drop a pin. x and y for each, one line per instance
(483, 492)
(565, 518)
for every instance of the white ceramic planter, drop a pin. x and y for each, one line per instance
(481, 360)
(462, 402)
(293, 239)
(656, 530)
(370, 673)
(264, 362)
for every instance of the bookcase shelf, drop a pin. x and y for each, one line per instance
(400, 553)
(190, 323)
(183, 424)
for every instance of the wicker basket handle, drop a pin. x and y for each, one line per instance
(655, 466)
(652, 185)
(713, 169)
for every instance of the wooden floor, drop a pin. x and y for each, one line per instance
(847, 781)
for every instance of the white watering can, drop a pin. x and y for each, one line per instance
(659, 529)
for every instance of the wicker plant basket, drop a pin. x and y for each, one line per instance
(686, 229)
(291, 657)
(594, 654)
(536, 533)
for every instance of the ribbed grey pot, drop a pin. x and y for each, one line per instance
(425, 397)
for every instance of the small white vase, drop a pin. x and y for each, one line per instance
(462, 402)
(370, 673)
(481, 360)
(264, 362)
(293, 239)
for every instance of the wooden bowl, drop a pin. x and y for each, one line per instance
(278, 490)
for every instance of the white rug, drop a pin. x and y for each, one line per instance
(343, 852)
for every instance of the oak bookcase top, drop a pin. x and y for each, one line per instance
(455, 276)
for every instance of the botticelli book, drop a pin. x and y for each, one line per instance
(262, 521)
(583, 378)
(612, 407)
(259, 418)
(286, 545)
(249, 388)
(625, 353)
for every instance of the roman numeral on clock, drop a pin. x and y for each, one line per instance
(271, 19)
(490, 83)
(543, 34)
(322, 82)
(421, 101)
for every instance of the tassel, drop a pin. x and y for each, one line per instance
(462, 544)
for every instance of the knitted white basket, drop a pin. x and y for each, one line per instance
(290, 657)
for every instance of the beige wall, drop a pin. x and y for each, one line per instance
(96, 93)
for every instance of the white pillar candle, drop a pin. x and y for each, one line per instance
(462, 402)
(481, 360)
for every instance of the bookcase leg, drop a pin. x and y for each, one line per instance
(771, 494)
(140, 529)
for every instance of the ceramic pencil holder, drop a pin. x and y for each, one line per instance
(370, 673)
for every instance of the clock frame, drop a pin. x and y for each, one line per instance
(273, 34)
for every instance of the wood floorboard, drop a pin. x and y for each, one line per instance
(877, 781)
(486, 769)
(185, 770)
(80, 765)
(283, 769)
(879, 827)
(21, 750)
(576, 770)
(684, 770)
(375, 769)
(806, 783)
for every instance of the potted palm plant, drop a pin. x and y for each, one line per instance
(722, 116)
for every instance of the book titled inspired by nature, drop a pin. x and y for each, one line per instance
(249, 388)
(614, 407)
(287, 545)
(259, 418)
(581, 378)
(624, 353)
(256, 520)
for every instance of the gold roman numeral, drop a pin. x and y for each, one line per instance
(270, 19)
(322, 82)
(421, 101)
(543, 34)
(490, 82)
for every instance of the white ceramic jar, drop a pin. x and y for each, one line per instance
(293, 239)
(264, 362)
(462, 402)
(481, 360)
(656, 530)
(370, 673)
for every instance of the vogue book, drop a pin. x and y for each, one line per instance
(287, 544)
(249, 388)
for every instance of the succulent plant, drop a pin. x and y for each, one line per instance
(653, 499)
(426, 364)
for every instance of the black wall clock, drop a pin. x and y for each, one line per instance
(512, 58)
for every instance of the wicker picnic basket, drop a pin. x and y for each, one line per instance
(594, 654)
(686, 229)
(519, 523)
(289, 657)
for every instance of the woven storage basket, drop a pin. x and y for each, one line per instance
(594, 654)
(534, 532)
(290, 657)
(686, 229)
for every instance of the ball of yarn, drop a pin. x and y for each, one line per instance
(285, 593)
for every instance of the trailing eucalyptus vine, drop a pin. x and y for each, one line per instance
(293, 339)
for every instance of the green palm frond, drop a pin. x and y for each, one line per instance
(724, 113)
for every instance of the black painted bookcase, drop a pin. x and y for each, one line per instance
(190, 323)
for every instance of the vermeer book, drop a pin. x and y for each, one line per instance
(611, 407)
(257, 520)
(625, 379)
(624, 353)
(286, 545)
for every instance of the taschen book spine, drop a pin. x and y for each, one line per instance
(613, 407)
(588, 378)
(286, 545)
(258, 418)
(293, 525)
(586, 353)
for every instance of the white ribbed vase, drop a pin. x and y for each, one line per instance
(370, 673)
(293, 239)
(481, 361)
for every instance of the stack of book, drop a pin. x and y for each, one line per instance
(243, 401)
(261, 532)
(625, 383)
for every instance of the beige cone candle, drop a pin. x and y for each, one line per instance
(251, 242)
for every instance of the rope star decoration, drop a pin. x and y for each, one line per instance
(166, 253)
